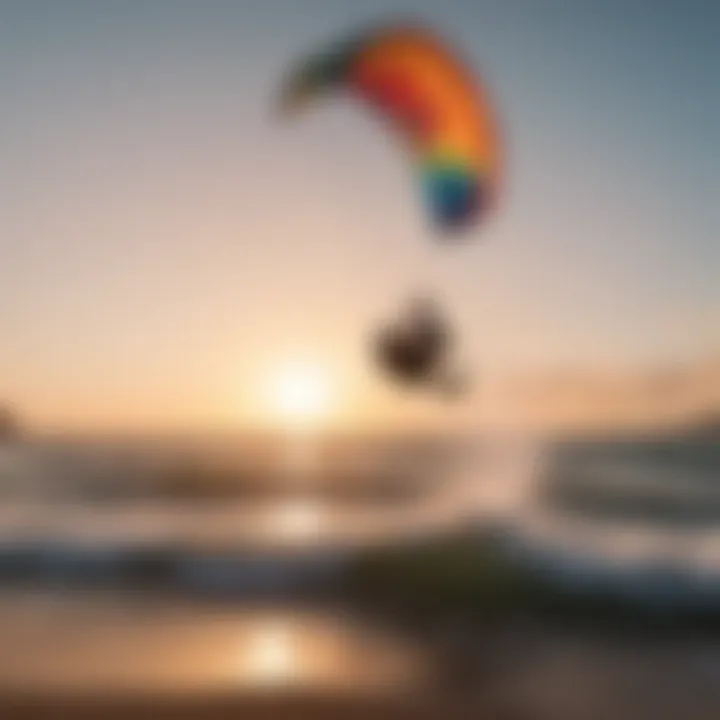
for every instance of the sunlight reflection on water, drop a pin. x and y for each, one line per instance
(296, 522)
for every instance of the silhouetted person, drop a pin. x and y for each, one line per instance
(416, 349)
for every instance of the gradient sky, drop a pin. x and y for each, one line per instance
(164, 241)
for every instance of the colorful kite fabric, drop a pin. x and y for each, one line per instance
(441, 110)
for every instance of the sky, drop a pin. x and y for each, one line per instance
(166, 241)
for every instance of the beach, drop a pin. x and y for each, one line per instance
(102, 655)
(470, 596)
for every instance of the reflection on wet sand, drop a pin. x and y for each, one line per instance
(270, 658)
(315, 652)
(105, 645)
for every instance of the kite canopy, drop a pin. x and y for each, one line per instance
(439, 109)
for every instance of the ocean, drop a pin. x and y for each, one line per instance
(204, 510)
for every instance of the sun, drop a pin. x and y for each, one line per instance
(300, 393)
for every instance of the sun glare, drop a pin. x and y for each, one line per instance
(300, 393)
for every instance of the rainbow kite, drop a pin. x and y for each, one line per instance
(440, 108)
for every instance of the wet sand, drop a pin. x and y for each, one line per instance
(115, 657)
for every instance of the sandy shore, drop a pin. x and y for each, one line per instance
(108, 657)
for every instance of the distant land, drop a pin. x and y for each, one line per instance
(9, 424)
(706, 428)
(682, 399)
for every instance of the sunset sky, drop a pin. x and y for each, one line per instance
(166, 242)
